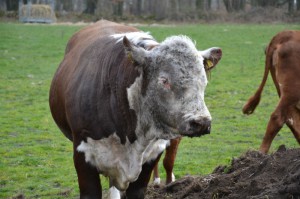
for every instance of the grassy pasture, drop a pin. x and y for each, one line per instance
(36, 159)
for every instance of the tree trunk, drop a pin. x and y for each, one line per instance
(66, 5)
(234, 5)
(104, 8)
(139, 8)
(203, 5)
(265, 3)
(291, 6)
(12, 5)
(173, 9)
(90, 6)
(3, 5)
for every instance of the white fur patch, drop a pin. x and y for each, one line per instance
(207, 53)
(156, 181)
(137, 38)
(133, 93)
(114, 193)
(121, 163)
(291, 121)
(153, 150)
(170, 41)
(173, 177)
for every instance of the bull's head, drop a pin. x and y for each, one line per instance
(172, 86)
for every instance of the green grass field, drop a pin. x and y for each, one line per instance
(36, 159)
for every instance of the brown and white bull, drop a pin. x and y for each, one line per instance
(119, 96)
(283, 62)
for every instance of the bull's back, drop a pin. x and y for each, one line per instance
(88, 35)
(80, 42)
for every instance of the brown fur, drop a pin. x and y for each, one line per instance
(89, 99)
(76, 48)
(283, 62)
(77, 73)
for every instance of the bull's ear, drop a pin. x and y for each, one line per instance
(133, 52)
(211, 57)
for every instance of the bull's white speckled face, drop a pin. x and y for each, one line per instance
(177, 84)
(172, 85)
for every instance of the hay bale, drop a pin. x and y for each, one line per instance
(37, 12)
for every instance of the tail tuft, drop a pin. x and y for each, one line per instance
(251, 104)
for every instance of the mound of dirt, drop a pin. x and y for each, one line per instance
(253, 175)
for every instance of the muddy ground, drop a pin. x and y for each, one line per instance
(253, 175)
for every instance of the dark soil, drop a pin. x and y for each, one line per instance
(253, 175)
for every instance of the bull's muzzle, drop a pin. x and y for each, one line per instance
(195, 128)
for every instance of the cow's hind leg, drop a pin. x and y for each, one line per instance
(156, 178)
(294, 131)
(293, 122)
(88, 178)
(168, 162)
(276, 122)
(169, 159)
(137, 189)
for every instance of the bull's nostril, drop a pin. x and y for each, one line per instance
(195, 127)
(202, 126)
(194, 124)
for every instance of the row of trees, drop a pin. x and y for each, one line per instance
(160, 9)
(236, 5)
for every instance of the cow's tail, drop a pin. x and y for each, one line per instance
(253, 101)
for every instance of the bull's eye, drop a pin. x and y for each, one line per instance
(165, 82)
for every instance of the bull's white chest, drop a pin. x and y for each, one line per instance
(121, 163)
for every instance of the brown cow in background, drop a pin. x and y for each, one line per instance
(168, 162)
(283, 61)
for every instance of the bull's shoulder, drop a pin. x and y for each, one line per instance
(96, 91)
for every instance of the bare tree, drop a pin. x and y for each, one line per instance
(118, 7)
(12, 5)
(65, 5)
(203, 5)
(265, 3)
(173, 10)
(234, 5)
(156, 9)
(3, 5)
(90, 6)
(104, 8)
(292, 5)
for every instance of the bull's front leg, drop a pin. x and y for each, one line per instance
(137, 189)
(88, 177)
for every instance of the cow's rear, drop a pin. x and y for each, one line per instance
(283, 62)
